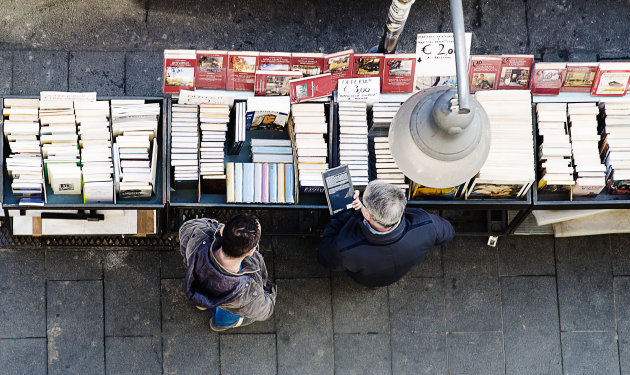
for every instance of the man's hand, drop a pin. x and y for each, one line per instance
(356, 203)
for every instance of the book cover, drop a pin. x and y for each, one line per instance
(399, 71)
(547, 78)
(339, 65)
(258, 181)
(270, 83)
(241, 73)
(273, 183)
(211, 70)
(483, 72)
(265, 183)
(289, 183)
(278, 61)
(338, 188)
(179, 70)
(421, 192)
(579, 77)
(310, 64)
(367, 65)
(611, 79)
(515, 72)
(280, 171)
(238, 182)
(248, 182)
(308, 88)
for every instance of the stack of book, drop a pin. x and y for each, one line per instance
(383, 114)
(185, 142)
(24, 164)
(213, 122)
(615, 146)
(589, 170)
(509, 170)
(353, 140)
(60, 147)
(382, 164)
(271, 150)
(554, 153)
(309, 129)
(96, 150)
(260, 183)
(135, 125)
(239, 128)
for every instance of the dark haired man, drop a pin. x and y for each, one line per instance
(226, 272)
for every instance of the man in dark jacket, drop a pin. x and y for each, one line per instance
(226, 272)
(379, 241)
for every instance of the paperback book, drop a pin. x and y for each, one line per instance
(179, 70)
(398, 73)
(241, 73)
(340, 65)
(338, 188)
(211, 70)
(309, 88)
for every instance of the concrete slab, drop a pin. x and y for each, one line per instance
(80, 264)
(419, 353)
(248, 354)
(585, 283)
(103, 72)
(531, 328)
(471, 286)
(304, 333)
(35, 71)
(357, 309)
(23, 356)
(265, 247)
(6, 72)
(132, 293)
(417, 305)
(75, 327)
(296, 257)
(360, 354)
(133, 355)
(498, 27)
(519, 255)
(475, 353)
(172, 265)
(622, 306)
(590, 353)
(22, 274)
(430, 266)
(620, 249)
(143, 73)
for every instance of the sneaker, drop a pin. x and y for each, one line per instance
(201, 308)
(242, 322)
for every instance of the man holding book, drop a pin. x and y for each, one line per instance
(225, 271)
(380, 240)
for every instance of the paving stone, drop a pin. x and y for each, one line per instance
(417, 305)
(430, 266)
(622, 305)
(81, 264)
(172, 265)
(297, 257)
(35, 71)
(475, 353)
(471, 286)
(23, 356)
(248, 354)
(360, 354)
(266, 326)
(132, 293)
(519, 255)
(351, 300)
(143, 73)
(186, 334)
(6, 70)
(103, 72)
(585, 284)
(419, 353)
(304, 327)
(590, 353)
(22, 274)
(530, 325)
(133, 355)
(75, 327)
(620, 246)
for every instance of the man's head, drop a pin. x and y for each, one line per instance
(383, 203)
(240, 235)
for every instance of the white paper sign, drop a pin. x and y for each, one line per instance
(62, 95)
(198, 97)
(359, 89)
(435, 54)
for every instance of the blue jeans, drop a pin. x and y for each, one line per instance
(224, 318)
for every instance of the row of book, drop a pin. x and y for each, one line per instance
(260, 183)
(615, 145)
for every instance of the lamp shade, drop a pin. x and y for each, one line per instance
(435, 143)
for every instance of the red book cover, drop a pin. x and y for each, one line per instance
(211, 70)
(579, 77)
(483, 72)
(310, 64)
(515, 71)
(339, 65)
(611, 79)
(313, 87)
(269, 82)
(274, 61)
(241, 71)
(179, 70)
(367, 65)
(399, 71)
(547, 78)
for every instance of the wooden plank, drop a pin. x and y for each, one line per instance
(145, 222)
(37, 225)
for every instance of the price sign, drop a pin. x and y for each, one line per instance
(359, 89)
(201, 97)
(435, 54)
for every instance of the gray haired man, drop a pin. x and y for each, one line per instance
(379, 241)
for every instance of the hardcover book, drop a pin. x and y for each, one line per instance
(515, 71)
(274, 82)
(367, 65)
(278, 61)
(310, 64)
(338, 189)
(211, 70)
(339, 65)
(308, 88)
(611, 79)
(399, 71)
(179, 70)
(483, 72)
(241, 73)
(579, 77)
(547, 78)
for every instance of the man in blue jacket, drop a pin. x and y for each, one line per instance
(226, 272)
(379, 241)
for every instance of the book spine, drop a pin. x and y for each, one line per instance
(265, 183)
(238, 182)
(248, 182)
(258, 182)
(281, 183)
(273, 182)
(289, 183)
(229, 175)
